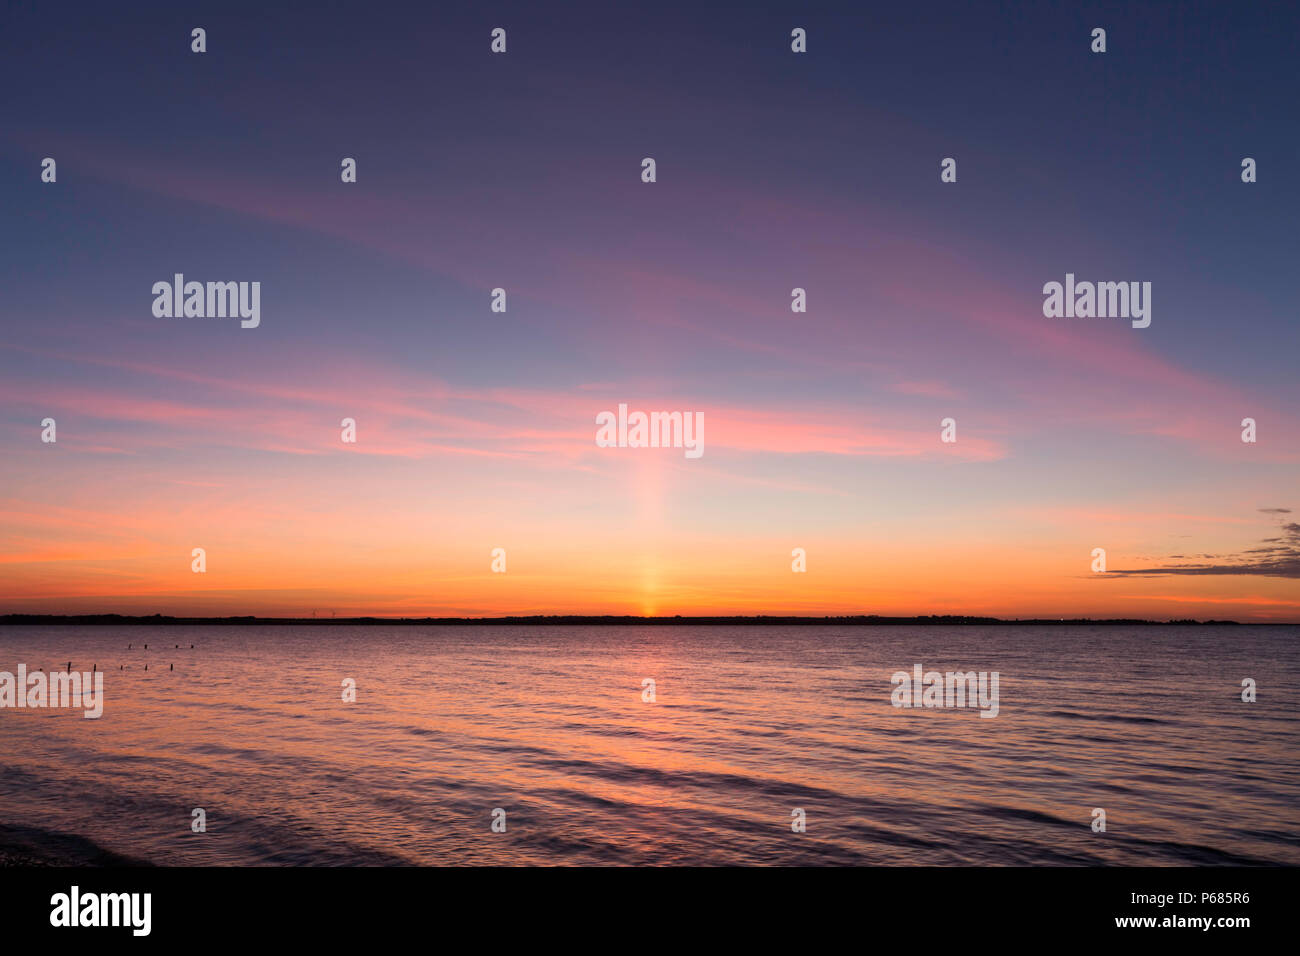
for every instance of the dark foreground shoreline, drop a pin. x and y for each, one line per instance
(945, 620)
(30, 846)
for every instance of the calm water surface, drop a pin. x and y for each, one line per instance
(749, 723)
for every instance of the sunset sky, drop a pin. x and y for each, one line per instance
(775, 170)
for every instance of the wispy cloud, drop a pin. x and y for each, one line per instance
(1276, 557)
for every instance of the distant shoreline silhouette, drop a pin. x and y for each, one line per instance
(610, 619)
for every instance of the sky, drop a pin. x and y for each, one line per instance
(775, 170)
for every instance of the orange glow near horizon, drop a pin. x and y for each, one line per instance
(290, 557)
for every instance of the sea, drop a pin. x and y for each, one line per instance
(661, 745)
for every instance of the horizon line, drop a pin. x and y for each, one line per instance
(614, 619)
